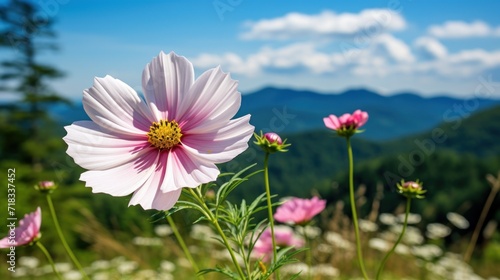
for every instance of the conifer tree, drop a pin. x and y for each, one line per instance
(26, 32)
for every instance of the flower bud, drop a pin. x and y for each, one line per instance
(46, 186)
(273, 137)
(210, 195)
(411, 189)
(271, 142)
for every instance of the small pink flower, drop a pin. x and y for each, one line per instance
(155, 146)
(299, 210)
(27, 231)
(284, 236)
(347, 124)
(273, 138)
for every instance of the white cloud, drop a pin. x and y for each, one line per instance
(461, 65)
(385, 57)
(461, 29)
(299, 56)
(394, 48)
(430, 48)
(326, 24)
(384, 50)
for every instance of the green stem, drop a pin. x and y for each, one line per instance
(308, 253)
(183, 245)
(405, 224)
(353, 209)
(63, 240)
(49, 258)
(270, 210)
(489, 201)
(214, 221)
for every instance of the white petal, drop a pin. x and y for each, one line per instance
(159, 188)
(183, 170)
(212, 99)
(123, 179)
(164, 81)
(223, 144)
(165, 201)
(95, 148)
(145, 194)
(115, 106)
(161, 201)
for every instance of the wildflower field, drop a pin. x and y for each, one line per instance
(173, 181)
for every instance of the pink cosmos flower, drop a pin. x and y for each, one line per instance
(354, 121)
(171, 139)
(299, 210)
(27, 231)
(284, 236)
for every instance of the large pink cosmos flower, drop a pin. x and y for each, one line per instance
(299, 210)
(284, 236)
(354, 121)
(27, 231)
(156, 146)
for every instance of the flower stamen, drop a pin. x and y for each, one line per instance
(164, 134)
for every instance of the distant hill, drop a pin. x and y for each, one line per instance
(292, 111)
(390, 116)
(476, 134)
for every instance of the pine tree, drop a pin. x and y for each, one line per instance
(25, 32)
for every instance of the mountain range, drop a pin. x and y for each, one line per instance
(294, 111)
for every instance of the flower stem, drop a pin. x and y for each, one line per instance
(353, 209)
(495, 187)
(405, 224)
(183, 245)
(308, 253)
(63, 240)
(270, 210)
(49, 258)
(214, 221)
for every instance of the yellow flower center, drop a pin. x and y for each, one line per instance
(164, 134)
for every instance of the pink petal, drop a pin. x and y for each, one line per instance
(345, 119)
(332, 122)
(27, 231)
(123, 179)
(223, 144)
(4, 242)
(316, 206)
(165, 81)
(115, 106)
(361, 117)
(92, 147)
(213, 98)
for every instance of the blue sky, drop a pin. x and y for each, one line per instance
(429, 47)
